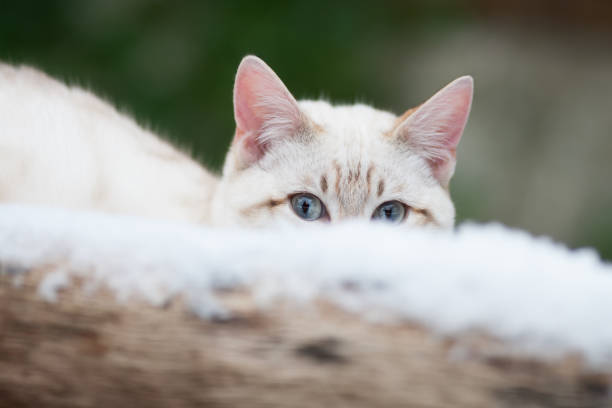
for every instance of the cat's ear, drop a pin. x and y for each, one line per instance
(435, 128)
(264, 110)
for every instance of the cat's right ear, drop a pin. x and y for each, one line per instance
(435, 128)
(264, 110)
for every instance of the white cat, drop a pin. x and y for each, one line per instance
(291, 161)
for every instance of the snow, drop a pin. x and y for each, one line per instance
(531, 292)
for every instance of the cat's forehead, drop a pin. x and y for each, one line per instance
(355, 140)
(354, 137)
(354, 165)
(349, 121)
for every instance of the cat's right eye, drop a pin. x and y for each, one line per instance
(390, 211)
(307, 206)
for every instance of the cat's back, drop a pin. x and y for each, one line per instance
(62, 145)
(42, 139)
(36, 107)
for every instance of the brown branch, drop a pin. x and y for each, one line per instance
(88, 350)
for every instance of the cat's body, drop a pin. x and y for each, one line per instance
(63, 146)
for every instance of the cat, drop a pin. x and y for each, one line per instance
(289, 161)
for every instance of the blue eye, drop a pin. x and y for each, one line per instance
(307, 206)
(391, 211)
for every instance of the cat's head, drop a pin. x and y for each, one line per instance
(309, 161)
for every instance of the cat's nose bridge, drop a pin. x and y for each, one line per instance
(352, 187)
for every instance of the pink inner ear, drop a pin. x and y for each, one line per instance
(435, 128)
(252, 82)
(458, 100)
(263, 108)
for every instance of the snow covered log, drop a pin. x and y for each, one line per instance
(98, 310)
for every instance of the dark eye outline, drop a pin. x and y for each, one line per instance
(406, 211)
(322, 217)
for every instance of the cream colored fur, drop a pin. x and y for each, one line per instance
(63, 146)
(353, 137)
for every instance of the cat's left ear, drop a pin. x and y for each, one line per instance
(434, 129)
(264, 110)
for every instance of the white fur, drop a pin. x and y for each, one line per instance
(62, 146)
(352, 136)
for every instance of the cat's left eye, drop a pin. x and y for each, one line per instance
(390, 211)
(307, 206)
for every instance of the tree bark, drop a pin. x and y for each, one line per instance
(88, 350)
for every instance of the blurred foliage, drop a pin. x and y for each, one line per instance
(172, 64)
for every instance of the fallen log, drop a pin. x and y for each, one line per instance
(88, 350)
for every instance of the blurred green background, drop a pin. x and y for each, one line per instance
(536, 153)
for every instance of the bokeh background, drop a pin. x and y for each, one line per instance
(536, 153)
